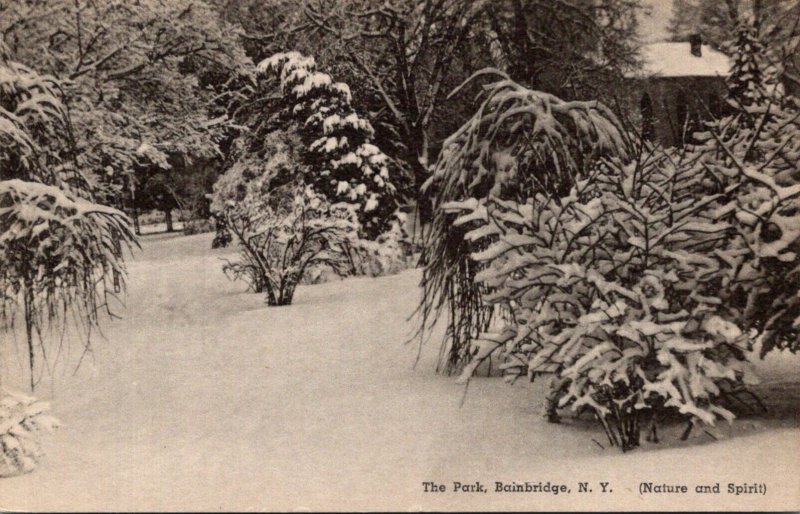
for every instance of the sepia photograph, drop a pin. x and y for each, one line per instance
(399, 255)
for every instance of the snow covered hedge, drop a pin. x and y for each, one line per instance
(754, 157)
(641, 277)
(616, 287)
(647, 285)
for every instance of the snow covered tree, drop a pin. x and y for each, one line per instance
(340, 162)
(746, 85)
(138, 78)
(60, 252)
(519, 143)
(60, 256)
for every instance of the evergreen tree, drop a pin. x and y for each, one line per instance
(340, 161)
(746, 86)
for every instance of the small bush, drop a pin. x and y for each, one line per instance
(289, 234)
(281, 244)
(621, 288)
(22, 421)
(198, 226)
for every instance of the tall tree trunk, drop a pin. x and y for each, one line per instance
(28, 294)
(168, 218)
(137, 230)
(135, 213)
(418, 158)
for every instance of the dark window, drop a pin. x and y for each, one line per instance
(714, 105)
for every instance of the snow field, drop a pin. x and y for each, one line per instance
(204, 398)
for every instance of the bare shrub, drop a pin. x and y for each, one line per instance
(281, 244)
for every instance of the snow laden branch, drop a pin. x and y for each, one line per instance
(518, 144)
(60, 256)
(755, 155)
(32, 120)
(518, 130)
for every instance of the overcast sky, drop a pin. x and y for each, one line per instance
(654, 26)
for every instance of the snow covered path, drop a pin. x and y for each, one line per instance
(204, 398)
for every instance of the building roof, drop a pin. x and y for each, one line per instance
(676, 60)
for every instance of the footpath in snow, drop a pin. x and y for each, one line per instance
(204, 398)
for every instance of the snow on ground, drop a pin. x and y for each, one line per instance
(204, 398)
(160, 227)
